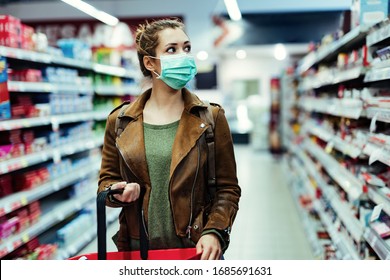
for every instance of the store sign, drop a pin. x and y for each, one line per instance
(97, 35)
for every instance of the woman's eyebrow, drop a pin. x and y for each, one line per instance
(175, 44)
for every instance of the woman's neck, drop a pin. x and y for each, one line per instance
(164, 106)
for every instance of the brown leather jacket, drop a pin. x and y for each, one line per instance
(123, 159)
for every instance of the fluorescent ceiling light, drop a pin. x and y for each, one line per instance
(241, 54)
(202, 55)
(233, 9)
(92, 11)
(280, 52)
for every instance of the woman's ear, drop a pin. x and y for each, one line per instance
(148, 63)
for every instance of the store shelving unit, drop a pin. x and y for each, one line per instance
(317, 151)
(89, 147)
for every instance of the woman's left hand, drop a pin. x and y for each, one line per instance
(209, 246)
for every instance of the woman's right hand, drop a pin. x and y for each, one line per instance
(130, 193)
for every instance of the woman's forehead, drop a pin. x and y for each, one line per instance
(170, 35)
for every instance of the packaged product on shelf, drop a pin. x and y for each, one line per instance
(365, 207)
(75, 48)
(5, 105)
(40, 42)
(368, 12)
(8, 227)
(25, 75)
(10, 31)
(6, 185)
(27, 37)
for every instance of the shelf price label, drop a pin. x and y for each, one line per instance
(375, 156)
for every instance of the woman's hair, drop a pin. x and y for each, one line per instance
(147, 39)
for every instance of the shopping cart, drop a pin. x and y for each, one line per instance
(143, 254)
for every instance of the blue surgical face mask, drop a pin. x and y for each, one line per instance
(177, 70)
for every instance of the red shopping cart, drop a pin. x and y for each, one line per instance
(144, 252)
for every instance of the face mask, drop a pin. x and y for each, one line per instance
(177, 70)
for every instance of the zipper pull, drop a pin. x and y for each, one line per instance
(188, 231)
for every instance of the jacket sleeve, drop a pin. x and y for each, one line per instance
(228, 192)
(109, 169)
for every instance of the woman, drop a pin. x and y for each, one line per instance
(162, 153)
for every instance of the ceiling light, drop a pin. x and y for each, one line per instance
(280, 52)
(241, 54)
(233, 9)
(202, 55)
(92, 11)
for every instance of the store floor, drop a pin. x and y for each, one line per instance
(267, 224)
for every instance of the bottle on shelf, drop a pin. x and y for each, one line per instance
(365, 207)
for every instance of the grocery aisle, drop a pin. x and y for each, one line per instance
(267, 225)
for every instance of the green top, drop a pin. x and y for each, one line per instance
(158, 145)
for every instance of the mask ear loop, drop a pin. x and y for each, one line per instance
(157, 74)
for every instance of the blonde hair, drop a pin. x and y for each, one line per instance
(147, 39)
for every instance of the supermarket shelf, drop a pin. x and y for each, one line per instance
(377, 74)
(346, 250)
(350, 149)
(341, 208)
(117, 90)
(15, 86)
(308, 226)
(341, 107)
(332, 77)
(86, 237)
(381, 114)
(50, 153)
(15, 201)
(379, 198)
(378, 35)
(25, 55)
(46, 221)
(71, 62)
(342, 211)
(377, 244)
(65, 61)
(352, 185)
(54, 120)
(330, 51)
(114, 71)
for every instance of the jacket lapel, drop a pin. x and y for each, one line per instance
(191, 128)
(132, 146)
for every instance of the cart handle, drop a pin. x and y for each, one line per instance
(102, 227)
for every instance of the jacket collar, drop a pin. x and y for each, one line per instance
(136, 108)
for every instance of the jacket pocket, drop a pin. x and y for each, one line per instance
(199, 223)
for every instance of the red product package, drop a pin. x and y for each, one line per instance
(10, 31)
(24, 220)
(10, 24)
(27, 41)
(6, 185)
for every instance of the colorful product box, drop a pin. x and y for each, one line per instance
(5, 105)
(27, 41)
(368, 12)
(10, 24)
(10, 31)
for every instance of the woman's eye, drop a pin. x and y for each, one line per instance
(187, 49)
(171, 50)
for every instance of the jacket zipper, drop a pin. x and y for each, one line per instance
(189, 227)
(142, 211)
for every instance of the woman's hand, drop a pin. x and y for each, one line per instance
(130, 193)
(210, 247)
